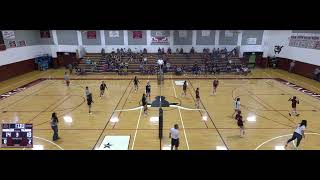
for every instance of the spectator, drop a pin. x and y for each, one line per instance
(129, 51)
(181, 51)
(169, 50)
(70, 68)
(141, 68)
(118, 51)
(121, 51)
(162, 51)
(177, 50)
(192, 50)
(144, 51)
(292, 64)
(159, 51)
(225, 50)
(145, 60)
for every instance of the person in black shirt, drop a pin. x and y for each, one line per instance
(294, 103)
(240, 123)
(184, 88)
(89, 102)
(148, 90)
(103, 86)
(136, 83)
(144, 104)
(197, 98)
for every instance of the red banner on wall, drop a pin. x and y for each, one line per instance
(45, 34)
(137, 34)
(91, 35)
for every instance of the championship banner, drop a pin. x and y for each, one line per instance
(45, 34)
(8, 35)
(160, 38)
(252, 41)
(309, 42)
(21, 43)
(91, 34)
(12, 44)
(205, 33)
(182, 33)
(2, 45)
(114, 34)
(137, 34)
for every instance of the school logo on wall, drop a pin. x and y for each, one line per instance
(114, 34)
(160, 38)
(277, 49)
(12, 44)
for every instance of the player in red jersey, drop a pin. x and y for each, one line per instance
(294, 102)
(197, 98)
(215, 85)
(240, 123)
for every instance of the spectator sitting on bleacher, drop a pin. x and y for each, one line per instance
(177, 51)
(192, 50)
(145, 60)
(159, 51)
(118, 51)
(129, 51)
(162, 51)
(121, 51)
(169, 50)
(181, 51)
(145, 51)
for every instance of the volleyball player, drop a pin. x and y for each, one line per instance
(144, 104)
(240, 123)
(294, 102)
(54, 126)
(236, 106)
(148, 90)
(215, 85)
(184, 87)
(174, 135)
(197, 98)
(136, 82)
(103, 86)
(67, 79)
(298, 133)
(87, 92)
(89, 102)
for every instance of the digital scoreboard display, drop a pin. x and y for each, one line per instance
(17, 135)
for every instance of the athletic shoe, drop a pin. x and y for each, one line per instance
(297, 114)
(289, 114)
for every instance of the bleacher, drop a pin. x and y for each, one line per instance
(94, 62)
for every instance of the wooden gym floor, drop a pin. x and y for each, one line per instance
(264, 103)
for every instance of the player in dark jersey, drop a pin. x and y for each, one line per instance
(148, 90)
(89, 102)
(184, 87)
(240, 123)
(103, 86)
(144, 104)
(136, 82)
(197, 98)
(215, 85)
(294, 102)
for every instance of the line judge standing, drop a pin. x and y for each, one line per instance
(174, 135)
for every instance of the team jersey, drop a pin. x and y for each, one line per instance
(136, 81)
(215, 83)
(103, 86)
(294, 102)
(148, 88)
(237, 105)
(197, 94)
(185, 86)
(239, 120)
(144, 101)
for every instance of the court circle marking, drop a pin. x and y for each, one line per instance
(281, 137)
(47, 141)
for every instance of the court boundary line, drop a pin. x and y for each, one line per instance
(185, 135)
(277, 137)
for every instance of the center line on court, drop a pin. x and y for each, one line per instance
(184, 131)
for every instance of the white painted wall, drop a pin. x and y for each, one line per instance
(281, 37)
(12, 55)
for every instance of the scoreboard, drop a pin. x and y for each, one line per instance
(17, 135)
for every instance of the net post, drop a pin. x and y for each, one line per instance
(160, 123)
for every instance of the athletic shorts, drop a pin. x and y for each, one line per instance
(175, 142)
